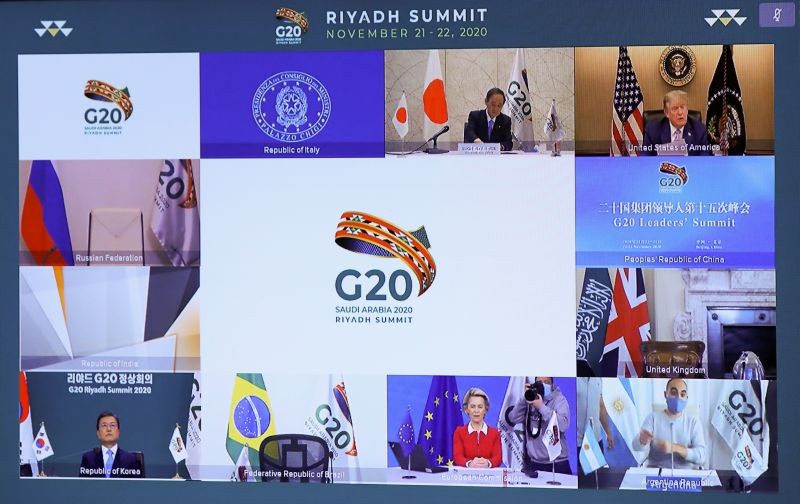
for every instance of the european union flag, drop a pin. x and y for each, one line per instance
(441, 417)
(405, 434)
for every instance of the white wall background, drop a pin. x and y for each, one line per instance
(164, 90)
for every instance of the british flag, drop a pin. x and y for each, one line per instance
(628, 326)
(627, 123)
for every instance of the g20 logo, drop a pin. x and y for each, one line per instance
(102, 116)
(176, 182)
(340, 436)
(746, 412)
(363, 233)
(337, 421)
(103, 92)
(288, 31)
(292, 27)
(670, 182)
(679, 177)
(746, 463)
(398, 290)
(518, 94)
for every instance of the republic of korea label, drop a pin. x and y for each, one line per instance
(291, 106)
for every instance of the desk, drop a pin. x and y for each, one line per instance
(634, 478)
(502, 154)
(463, 476)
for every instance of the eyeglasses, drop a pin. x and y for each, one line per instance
(111, 426)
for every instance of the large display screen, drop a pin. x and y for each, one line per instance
(401, 247)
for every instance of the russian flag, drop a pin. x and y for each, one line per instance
(44, 225)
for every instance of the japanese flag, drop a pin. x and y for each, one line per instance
(400, 117)
(434, 103)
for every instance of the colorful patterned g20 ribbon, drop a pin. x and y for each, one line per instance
(99, 90)
(673, 169)
(366, 234)
(291, 15)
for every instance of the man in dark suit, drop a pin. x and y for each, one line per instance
(490, 125)
(109, 460)
(665, 135)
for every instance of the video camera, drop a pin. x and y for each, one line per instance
(534, 390)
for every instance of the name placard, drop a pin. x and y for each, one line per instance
(479, 148)
(673, 484)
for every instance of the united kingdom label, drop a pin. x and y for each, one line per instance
(291, 107)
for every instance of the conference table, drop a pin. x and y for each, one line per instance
(512, 153)
(635, 478)
(720, 480)
(495, 477)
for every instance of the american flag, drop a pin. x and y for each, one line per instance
(628, 326)
(627, 124)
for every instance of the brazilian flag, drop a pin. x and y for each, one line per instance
(250, 420)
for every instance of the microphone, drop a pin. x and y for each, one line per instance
(441, 132)
(672, 441)
(434, 149)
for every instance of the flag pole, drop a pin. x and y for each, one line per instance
(42, 473)
(596, 478)
(408, 474)
(403, 138)
(555, 435)
(556, 144)
(671, 451)
(553, 481)
(243, 474)
(177, 474)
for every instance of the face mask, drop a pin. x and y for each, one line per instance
(548, 390)
(675, 404)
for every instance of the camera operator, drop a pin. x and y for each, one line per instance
(541, 400)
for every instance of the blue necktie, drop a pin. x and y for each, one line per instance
(109, 463)
(491, 126)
